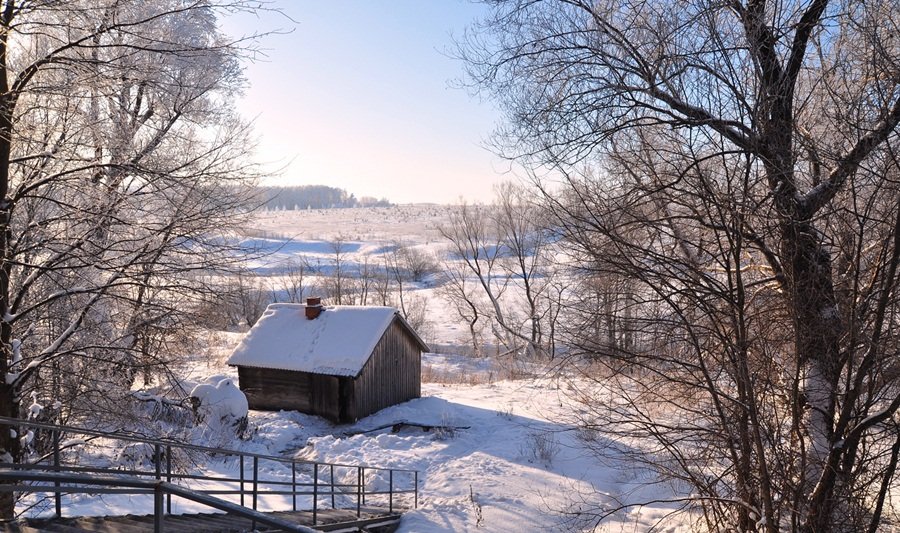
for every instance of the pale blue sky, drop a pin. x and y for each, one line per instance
(358, 97)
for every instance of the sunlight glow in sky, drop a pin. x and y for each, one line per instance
(358, 97)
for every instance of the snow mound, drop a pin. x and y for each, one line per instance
(221, 404)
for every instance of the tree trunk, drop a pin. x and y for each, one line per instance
(9, 445)
(817, 336)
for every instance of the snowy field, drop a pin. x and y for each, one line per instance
(417, 223)
(365, 234)
(517, 463)
(519, 467)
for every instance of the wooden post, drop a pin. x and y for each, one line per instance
(391, 491)
(332, 486)
(358, 490)
(157, 492)
(255, 479)
(416, 493)
(242, 480)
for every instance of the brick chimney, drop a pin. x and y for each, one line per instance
(313, 308)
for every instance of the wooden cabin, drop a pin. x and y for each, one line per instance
(341, 362)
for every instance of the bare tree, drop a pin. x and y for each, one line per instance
(417, 264)
(248, 300)
(504, 251)
(382, 282)
(526, 247)
(454, 286)
(474, 242)
(367, 275)
(295, 273)
(337, 283)
(748, 194)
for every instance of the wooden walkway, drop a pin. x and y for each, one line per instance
(371, 520)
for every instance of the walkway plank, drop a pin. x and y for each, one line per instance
(326, 520)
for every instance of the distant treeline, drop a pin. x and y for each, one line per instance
(315, 197)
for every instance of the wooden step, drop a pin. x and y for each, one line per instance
(199, 524)
(105, 524)
(220, 518)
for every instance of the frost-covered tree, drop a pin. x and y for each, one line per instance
(748, 195)
(121, 164)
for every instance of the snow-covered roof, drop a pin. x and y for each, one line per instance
(338, 342)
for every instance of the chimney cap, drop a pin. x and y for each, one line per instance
(314, 301)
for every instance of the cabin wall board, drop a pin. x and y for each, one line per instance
(392, 374)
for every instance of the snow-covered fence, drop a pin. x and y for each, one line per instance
(232, 477)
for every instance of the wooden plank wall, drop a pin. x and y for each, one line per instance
(392, 375)
(324, 396)
(269, 389)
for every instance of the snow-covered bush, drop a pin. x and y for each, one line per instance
(220, 404)
(136, 455)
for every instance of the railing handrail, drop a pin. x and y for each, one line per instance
(161, 487)
(131, 437)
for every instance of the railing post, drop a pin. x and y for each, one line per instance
(242, 480)
(255, 479)
(157, 458)
(364, 485)
(294, 483)
(391, 491)
(416, 493)
(168, 478)
(358, 490)
(255, 486)
(57, 495)
(158, 508)
(315, 491)
(332, 486)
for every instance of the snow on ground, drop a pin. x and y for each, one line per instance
(281, 241)
(397, 223)
(517, 466)
(506, 460)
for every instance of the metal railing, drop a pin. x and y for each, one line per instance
(141, 486)
(338, 485)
